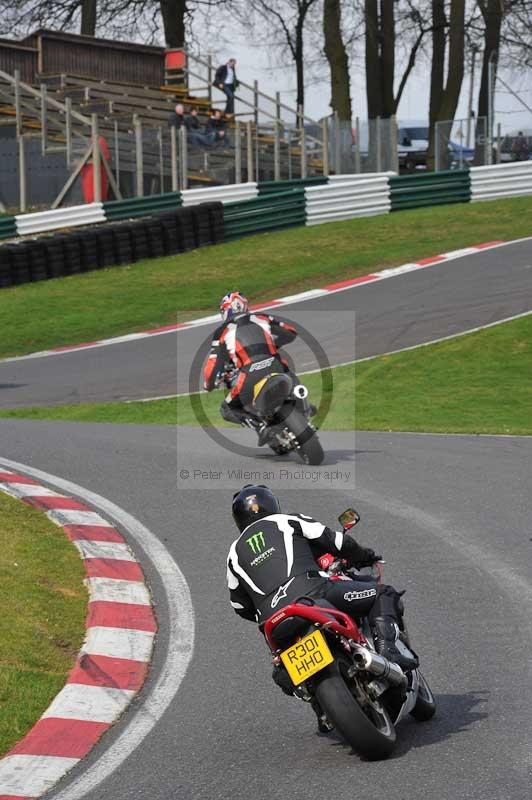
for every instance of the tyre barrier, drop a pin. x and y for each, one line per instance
(164, 233)
(430, 189)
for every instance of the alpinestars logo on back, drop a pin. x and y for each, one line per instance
(280, 594)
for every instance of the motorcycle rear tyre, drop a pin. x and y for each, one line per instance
(345, 713)
(310, 450)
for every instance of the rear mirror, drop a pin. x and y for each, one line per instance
(349, 518)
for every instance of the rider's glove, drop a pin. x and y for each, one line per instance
(369, 558)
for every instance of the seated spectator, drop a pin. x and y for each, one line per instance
(194, 135)
(177, 117)
(225, 79)
(215, 128)
(192, 121)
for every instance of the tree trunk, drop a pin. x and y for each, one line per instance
(373, 62)
(88, 18)
(173, 13)
(493, 18)
(300, 65)
(337, 58)
(387, 57)
(445, 100)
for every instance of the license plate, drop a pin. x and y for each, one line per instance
(307, 657)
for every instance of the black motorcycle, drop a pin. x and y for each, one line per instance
(283, 405)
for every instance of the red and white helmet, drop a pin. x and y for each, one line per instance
(232, 304)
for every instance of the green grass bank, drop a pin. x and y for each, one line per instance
(42, 611)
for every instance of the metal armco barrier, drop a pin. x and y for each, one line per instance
(267, 187)
(362, 196)
(268, 212)
(430, 189)
(60, 218)
(501, 180)
(141, 206)
(223, 194)
(8, 227)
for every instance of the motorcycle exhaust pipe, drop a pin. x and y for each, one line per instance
(378, 665)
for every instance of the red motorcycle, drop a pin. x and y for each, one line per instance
(332, 663)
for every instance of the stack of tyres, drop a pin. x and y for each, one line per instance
(106, 246)
(72, 248)
(216, 220)
(155, 238)
(172, 239)
(20, 268)
(123, 244)
(55, 257)
(5, 267)
(140, 241)
(89, 251)
(185, 228)
(202, 225)
(37, 260)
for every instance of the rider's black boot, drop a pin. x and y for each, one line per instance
(386, 634)
(324, 726)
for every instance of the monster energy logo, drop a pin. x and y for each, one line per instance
(256, 542)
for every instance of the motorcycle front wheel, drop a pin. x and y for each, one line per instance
(364, 723)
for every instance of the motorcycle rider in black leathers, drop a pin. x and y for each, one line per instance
(273, 563)
(248, 342)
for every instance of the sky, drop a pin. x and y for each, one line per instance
(257, 62)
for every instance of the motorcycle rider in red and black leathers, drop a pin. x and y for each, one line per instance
(273, 563)
(248, 343)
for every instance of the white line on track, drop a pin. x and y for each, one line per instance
(180, 636)
(367, 358)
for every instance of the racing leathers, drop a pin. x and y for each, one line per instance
(249, 343)
(273, 563)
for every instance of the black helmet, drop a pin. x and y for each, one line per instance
(252, 503)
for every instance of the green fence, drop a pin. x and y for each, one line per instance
(267, 187)
(8, 227)
(141, 206)
(270, 212)
(430, 189)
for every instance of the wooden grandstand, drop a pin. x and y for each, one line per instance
(55, 86)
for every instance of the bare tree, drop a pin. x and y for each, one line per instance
(284, 22)
(336, 54)
(88, 17)
(444, 96)
(382, 22)
(145, 20)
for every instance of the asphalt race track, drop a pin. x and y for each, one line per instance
(451, 515)
(409, 309)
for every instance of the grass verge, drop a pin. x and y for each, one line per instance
(121, 300)
(42, 610)
(477, 383)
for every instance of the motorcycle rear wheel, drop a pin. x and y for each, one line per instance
(425, 706)
(363, 723)
(310, 450)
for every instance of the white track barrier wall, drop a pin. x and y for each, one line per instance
(223, 194)
(348, 196)
(501, 180)
(59, 218)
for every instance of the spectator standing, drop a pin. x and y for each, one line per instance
(215, 128)
(225, 79)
